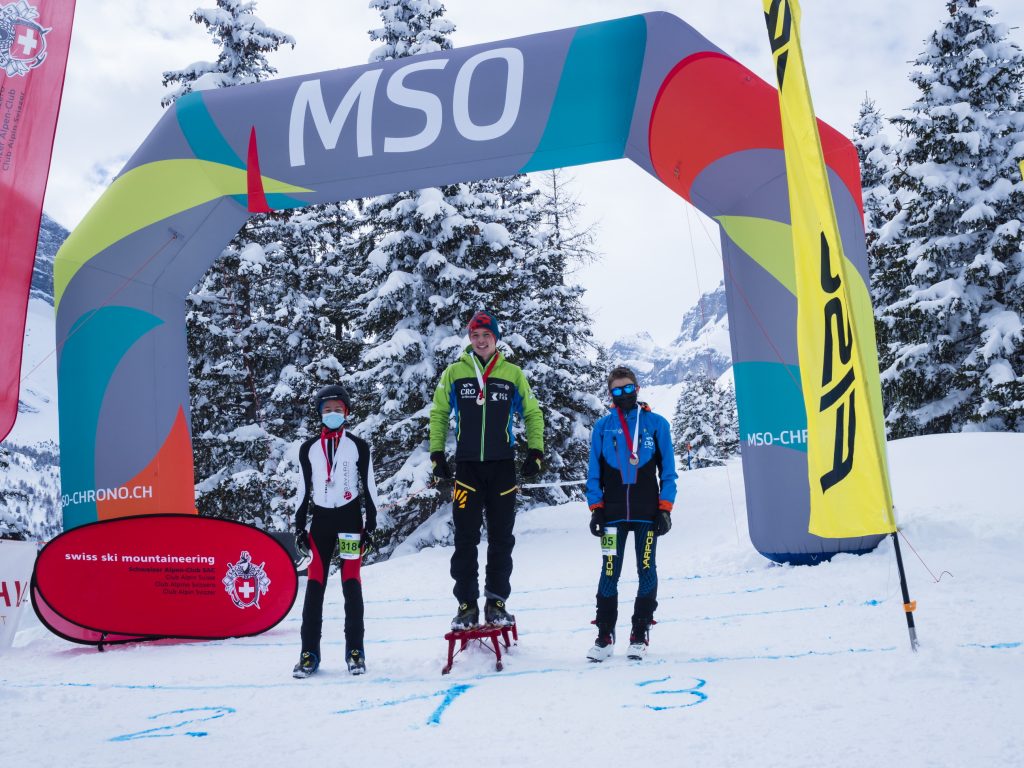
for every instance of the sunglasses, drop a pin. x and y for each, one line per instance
(629, 389)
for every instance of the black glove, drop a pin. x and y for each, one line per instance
(371, 522)
(662, 523)
(597, 521)
(531, 465)
(441, 470)
(302, 542)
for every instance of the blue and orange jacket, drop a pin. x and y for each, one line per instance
(627, 492)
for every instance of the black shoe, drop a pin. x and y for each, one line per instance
(639, 639)
(496, 615)
(308, 664)
(604, 646)
(467, 617)
(356, 661)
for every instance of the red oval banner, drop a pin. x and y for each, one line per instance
(166, 576)
(76, 634)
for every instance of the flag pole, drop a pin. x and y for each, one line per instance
(908, 605)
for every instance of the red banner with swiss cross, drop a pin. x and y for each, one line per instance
(34, 41)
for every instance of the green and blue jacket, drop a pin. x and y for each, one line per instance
(484, 432)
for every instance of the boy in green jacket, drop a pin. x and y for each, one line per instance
(483, 391)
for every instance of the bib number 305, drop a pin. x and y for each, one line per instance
(609, 542)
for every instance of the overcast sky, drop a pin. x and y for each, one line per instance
(651, 264)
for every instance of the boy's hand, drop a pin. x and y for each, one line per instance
(441, 470)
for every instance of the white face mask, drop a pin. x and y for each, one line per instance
(333, 420)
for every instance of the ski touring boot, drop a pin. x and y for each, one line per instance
(638, 640)
(604, 646)
(495, 614)
(308, 664)
(468, 617)
(356, 660)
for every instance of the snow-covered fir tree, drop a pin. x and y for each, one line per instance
(545, 308)
(234, 453)
(888, 274)
(410, 27)
(877, 164)
(434, 256)
(14, 524)
(295, 346)
(29, 491)
(244, 42)
(427, 262)
(409, 317)
(728, 421)
(705, 425)
(955, 357)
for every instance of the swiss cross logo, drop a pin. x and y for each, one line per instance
(245, 582)
(22, 39)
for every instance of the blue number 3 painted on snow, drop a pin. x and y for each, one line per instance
(163, 731)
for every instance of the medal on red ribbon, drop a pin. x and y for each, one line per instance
(632, 441)
(481, 378)
(325, 435)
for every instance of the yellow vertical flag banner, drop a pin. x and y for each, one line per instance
(846, 461)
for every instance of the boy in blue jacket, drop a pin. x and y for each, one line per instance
(631, 486)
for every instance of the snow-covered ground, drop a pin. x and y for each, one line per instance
(750, 664)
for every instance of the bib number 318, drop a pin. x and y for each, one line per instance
(348, 546)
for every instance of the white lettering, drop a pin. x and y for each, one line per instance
(785, 437)
(310, 96)
(427, 103)
(513, 95)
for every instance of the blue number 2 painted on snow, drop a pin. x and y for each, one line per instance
(699, 697)
(163, 731)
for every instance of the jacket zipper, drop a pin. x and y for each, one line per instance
(624, 472)
(483, 424)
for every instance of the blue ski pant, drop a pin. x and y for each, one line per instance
(645, 546)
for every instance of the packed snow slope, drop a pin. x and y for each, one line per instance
(750, 664)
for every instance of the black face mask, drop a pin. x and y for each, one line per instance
(625, 402)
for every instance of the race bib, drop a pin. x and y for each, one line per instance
(348, 546)
(610, 542)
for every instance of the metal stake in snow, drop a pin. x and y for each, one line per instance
(908, 605)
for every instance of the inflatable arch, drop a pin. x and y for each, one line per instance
(647, 87)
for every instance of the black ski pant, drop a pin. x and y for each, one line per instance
(323, 543)
(483, 489)
(645, 545)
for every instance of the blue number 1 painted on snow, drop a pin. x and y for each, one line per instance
(448, 696)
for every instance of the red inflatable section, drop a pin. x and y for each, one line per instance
(711, 106)
(157, 576)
